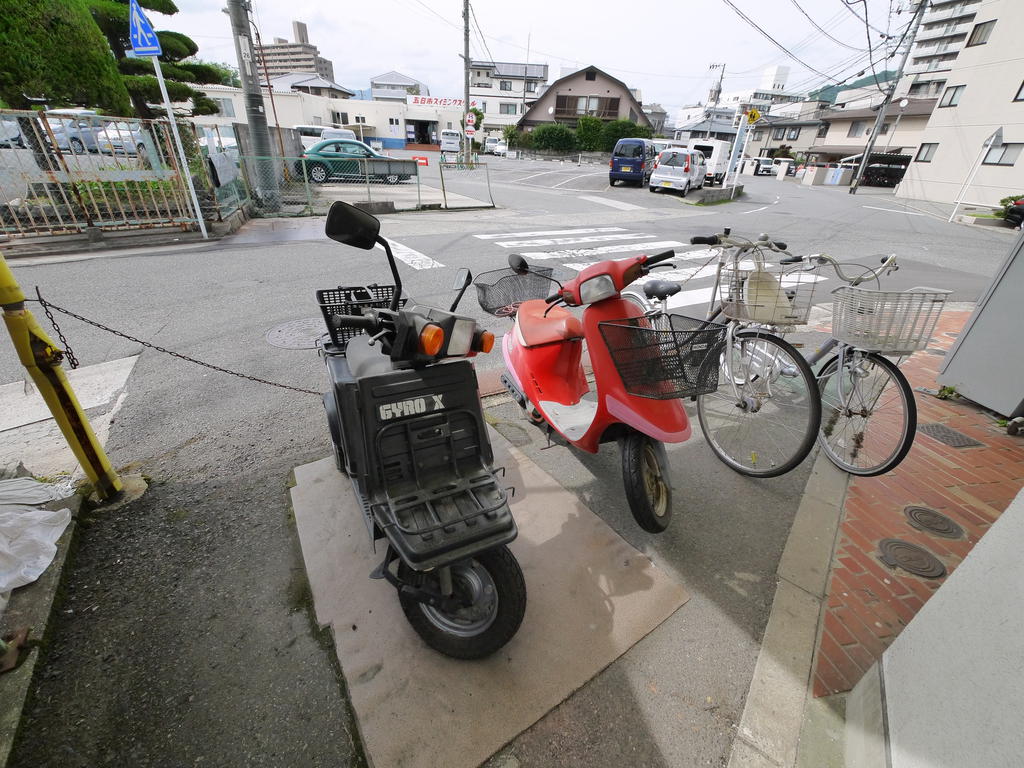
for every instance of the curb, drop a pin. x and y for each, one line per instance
(769, 731)
(32, 606)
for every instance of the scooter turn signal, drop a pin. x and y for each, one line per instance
(484, 342)
(431, 340)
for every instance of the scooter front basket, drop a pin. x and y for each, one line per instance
(501, 291)
(665, 356)
(352, 300)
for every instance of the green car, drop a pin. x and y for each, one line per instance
(346, 159)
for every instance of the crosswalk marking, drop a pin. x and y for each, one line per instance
(612, 203)
(703, 295)
(414, 259)
(550, 232)
(580, 253)
(573, 240)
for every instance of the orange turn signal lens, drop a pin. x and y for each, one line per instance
(431, 339)
(486, 342)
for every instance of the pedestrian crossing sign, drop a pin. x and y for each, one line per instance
(140, 32)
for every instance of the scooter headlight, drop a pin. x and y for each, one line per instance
(597, 289)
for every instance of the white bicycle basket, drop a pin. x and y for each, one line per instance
(893, 322)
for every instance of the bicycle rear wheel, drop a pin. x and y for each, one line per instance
(872, 433)
(765, 414)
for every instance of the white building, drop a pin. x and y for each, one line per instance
(503, 91)
(943, 33)
(983, 92)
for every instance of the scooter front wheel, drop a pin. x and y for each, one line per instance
(645, 475)
(492, 588)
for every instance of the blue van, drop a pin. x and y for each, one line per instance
(632, 160)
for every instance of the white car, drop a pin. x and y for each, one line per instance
(121, 138)
(678, 168)
(489, 144)
(500, 148)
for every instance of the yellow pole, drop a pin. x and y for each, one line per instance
(42, 358)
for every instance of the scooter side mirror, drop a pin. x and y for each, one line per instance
(518, 264)
(349, 225)
(463, 279)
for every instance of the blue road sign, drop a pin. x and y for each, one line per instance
(140, 31)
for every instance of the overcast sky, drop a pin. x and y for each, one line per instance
(662, 47)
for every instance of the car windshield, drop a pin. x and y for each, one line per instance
(674, 159)
(629, 150)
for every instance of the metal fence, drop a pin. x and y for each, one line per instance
(465, 185)
(65, 171)
(307, 186)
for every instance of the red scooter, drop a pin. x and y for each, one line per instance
(643, 363)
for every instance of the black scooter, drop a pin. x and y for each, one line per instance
(408, 429)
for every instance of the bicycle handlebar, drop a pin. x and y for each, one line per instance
(704, 240)
(888, 264)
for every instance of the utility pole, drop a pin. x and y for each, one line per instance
(467, 142)
(922, 5)
(716, 93)
(262, 165)
(526, 72)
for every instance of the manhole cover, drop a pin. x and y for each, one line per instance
(297, 334)
(911, 558)
(930, 521)
(950, 437)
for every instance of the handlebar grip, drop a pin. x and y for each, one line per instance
(356, 321)
(781, 245)
(663, 256)
(708, 240)
(553, 297)
(791, 259)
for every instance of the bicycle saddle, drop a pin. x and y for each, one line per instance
(660, 289)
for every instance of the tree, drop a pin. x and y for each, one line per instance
(783, 150)
(554, 136)
(52, 49)
(588, 133)
(622, 129)
(112, 18)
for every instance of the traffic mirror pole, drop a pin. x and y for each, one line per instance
(42, 358)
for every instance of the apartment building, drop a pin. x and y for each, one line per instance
(946, 29)
(503, 91)
(982, 93)
(282, 57)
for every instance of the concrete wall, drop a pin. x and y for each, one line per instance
(953, 681)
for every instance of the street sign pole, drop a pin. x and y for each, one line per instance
(181, 149)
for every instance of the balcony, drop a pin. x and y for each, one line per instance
(948, 30)
(573, 114)
(955, 11)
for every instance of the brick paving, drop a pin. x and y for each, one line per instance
(868, 603)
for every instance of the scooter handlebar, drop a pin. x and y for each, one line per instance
(663, 256)
(365, 322)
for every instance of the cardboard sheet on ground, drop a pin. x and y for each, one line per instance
(591, 596)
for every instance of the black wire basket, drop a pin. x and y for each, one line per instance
(665, 356)
(501, 291)
(352, 300)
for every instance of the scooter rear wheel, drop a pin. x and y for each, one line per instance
(645, 475)
(493, 584)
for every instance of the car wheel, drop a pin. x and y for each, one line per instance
(77, 147)
(318, 173)
(140, 149)
(391, 178)
(686, 189)
(612, 182)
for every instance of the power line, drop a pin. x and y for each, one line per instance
(826, 34)
(849, 7)
(480, 32)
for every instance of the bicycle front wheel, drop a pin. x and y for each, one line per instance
(869, 416)
(763, 418)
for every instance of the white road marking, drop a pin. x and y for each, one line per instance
(414, 259)
(581, 253)
(550, 232)
(570, 240)
(774, 202)
(894, 210)
(581, 176)
(612, 203)
(703, 295)
(542, 173)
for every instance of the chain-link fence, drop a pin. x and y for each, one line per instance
(64, 171)
(219, 169)
(307, 186)
(465, 185)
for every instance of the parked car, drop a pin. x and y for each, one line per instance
(500, 149)
(1015, 214)
(451, 140)
(74, 130)
(121, 138)
(10, 134)
(678, 169)
(632, 160)
(716, 153)
(490, 143)
(881, 175)
(348, 159)
(337, 133)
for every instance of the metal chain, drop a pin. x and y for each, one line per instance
(74, 363)
(72, 360)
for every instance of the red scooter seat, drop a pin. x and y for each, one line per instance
(559, 325)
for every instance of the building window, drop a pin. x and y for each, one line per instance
(505, 85)
(361, 119)
(757, 135)
(591, 75)
(1020, 93)
(508, 109)
(531, 87)
(226, 107)
(1004, 154)
(857, 128)
(926, 153)
(483, 106)
(980, 33)
(344, 118)
(823, 130)
(793, 133)
(884, 129)
(779, 133)
(951, 97)
(393, 121)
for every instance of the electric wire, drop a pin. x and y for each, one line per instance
(826, 34)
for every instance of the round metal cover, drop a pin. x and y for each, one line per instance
(297, 334)
(911, 558)
(936, 523)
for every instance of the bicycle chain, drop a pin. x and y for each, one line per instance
(74, 362)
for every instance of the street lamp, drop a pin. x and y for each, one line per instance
(903, 105)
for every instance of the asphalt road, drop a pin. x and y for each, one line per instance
(185, 636)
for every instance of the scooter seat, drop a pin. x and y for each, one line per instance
(558, 325)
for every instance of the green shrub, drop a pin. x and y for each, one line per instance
(622, 129)
(588, 133)
(1006, 202)
(554, 136)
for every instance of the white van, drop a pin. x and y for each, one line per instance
(338, 133)
(309, 134)
(678, 168)
(451, 140)
(716, 154)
